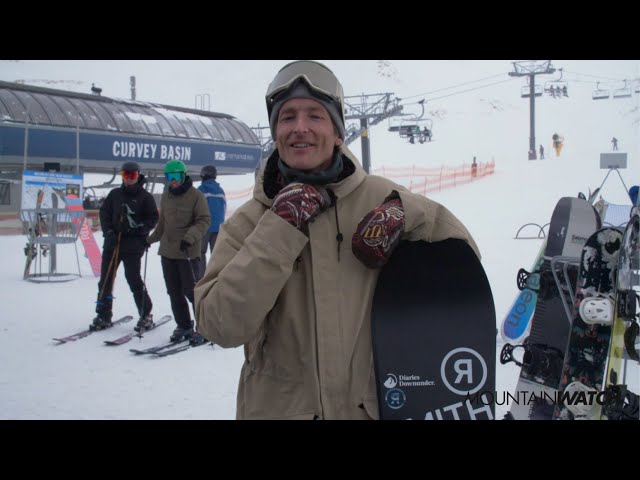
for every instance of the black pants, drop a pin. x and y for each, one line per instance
(179, 279)
(209, 240)
(131, 262)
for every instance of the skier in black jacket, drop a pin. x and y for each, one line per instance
(127, 216)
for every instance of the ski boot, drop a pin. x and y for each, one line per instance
(145, 323)
(101, 322)
(197, 340)
(182, 333)
(597, 310)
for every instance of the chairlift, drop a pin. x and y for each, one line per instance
(420, 130)
(557, 88)
(600, 94)
(525, 91)
(624, 92)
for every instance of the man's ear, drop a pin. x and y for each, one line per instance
(338, 142)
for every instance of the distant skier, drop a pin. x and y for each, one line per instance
(541, 152)
(614, 142)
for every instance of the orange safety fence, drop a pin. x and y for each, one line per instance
(421, 180)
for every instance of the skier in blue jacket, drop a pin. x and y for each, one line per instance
(217, 202)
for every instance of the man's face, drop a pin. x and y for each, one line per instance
(174, 179)
(305, 135)
(129, 178)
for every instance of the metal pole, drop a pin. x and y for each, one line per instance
(364, 140)
(78, 147)
(532, 117)
(26, 140)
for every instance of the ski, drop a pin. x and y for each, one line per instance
(156, 349)
(88, 331)
(181, 348)
(130, 336)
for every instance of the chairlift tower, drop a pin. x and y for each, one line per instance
(531, 68)
(370, 110)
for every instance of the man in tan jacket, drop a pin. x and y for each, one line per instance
(294, 270)
(184, 217)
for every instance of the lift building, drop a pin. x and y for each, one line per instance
(43, 128)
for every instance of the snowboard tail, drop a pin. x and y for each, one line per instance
(434, 334)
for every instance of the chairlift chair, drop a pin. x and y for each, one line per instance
(537, 90)
(556, 88)
(600, 94)
(624, 92)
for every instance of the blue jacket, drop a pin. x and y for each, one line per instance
(214, 194)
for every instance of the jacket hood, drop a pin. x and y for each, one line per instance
(269, 181)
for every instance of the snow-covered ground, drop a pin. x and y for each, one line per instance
(88, 380)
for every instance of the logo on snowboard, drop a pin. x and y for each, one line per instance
(464, 371)
(395, 398)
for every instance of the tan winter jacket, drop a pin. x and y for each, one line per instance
(182, 217)
(302, 315)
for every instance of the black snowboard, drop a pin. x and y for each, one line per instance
(434, 334)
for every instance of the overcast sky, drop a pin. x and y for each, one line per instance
(475, 101)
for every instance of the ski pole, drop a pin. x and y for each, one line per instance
(144, 282)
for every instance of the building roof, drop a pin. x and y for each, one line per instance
(21, 103)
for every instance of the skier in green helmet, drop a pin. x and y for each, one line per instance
(184, 218)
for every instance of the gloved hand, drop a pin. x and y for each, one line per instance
(379, 231)
(184, 245)
(109, 239)
(299, 204)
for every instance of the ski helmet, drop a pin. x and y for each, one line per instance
(208, 171)
(175, 166)
(130, 167)
(306, 79)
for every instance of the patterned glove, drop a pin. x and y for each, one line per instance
(378, 233)
(299, 204)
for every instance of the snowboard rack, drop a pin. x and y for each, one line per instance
(622, 404)
(564, 283)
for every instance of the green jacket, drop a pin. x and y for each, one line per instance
(184, 215)
(302, 312)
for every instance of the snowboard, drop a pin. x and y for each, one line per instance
(517, 322)
(572, 222)
(588, 344)
(624, 321)
(433, 331)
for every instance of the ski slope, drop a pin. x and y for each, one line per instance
(88, 380)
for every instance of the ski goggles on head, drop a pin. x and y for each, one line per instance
(318, 77)
(171, 176)
(129, 175)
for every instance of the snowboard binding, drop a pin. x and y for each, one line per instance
(621, 403)
(627, 310)
(580, 410)
(538, 360)
(540, 282)
(598, 310)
